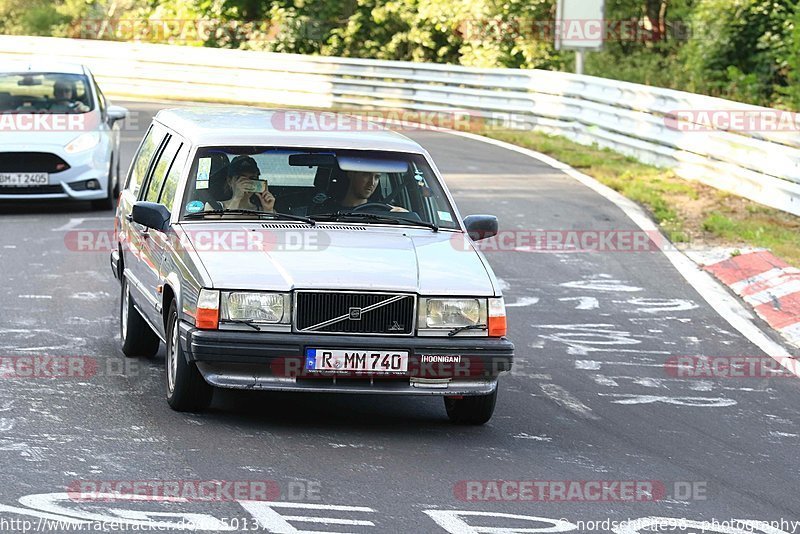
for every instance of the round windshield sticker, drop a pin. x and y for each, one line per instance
(194, 206)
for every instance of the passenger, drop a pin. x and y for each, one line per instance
(64, 99)
(242, 184)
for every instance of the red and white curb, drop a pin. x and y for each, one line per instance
(768, 284)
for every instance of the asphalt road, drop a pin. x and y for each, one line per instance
(590, 398)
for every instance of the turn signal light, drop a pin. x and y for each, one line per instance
(497, 317)
(207, 316)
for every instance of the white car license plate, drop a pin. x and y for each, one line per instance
(24, 179)
(357, 361)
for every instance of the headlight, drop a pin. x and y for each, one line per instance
(454, 313)
(83, 142)
(258, 307)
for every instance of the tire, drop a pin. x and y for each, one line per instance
(187, 390)
(105, 204)
(472, 410)
(138, 339)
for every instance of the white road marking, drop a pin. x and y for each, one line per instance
(272, 521)
(38, 297)
(603, 380)
(593, 365)
(584, 303)
(581, 339)
(523, 301)
(452, 521)
(565, 399)
(77, 221)
(89, 295)
(654, 305)
(701, 402)
(523, 435)
(602, 284)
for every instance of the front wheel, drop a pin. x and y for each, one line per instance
(187, 390)
(138, 339)
(473, 410)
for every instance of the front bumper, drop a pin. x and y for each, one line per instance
(275, 361)
(83, 166)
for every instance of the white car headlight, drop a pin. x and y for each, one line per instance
(454, 313)
(257, 307)
(83, 142)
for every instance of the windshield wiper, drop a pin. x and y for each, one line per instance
(376, 217)
(458, 329)
(268, 214)
(247, 322)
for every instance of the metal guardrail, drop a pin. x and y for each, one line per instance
(636, 120)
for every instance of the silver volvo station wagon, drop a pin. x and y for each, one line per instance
(269, 253)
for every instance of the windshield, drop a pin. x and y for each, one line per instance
(366, 187)
(32, 92)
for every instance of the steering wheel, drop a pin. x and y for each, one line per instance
(373, 206)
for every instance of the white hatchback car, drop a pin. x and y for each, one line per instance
(59, 136)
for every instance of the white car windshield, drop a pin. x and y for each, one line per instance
(322, 184)
(32, 92)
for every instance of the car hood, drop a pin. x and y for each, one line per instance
(31, 140)
(53, 129)
(332, 256)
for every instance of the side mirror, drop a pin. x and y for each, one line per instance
(116, 113)
(151, 215)
(481, 226)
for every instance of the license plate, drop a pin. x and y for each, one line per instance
(357, 361)
(24, 179)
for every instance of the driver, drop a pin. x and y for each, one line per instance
(64, 99)
(361, 186)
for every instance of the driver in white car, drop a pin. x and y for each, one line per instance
(361, 186)
(64, 99)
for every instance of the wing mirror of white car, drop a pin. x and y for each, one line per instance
(151, 215)
(481, 226)
(116, 113)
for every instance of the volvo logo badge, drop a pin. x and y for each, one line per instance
(355, 314)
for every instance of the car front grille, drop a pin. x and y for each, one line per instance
(355, 313)
(33, 190)
(31, 162)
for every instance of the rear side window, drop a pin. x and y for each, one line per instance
(147, 149)
(174, 175)
(161, 169)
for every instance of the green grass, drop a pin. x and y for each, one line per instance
(758, 229)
